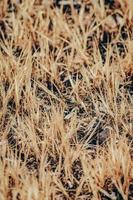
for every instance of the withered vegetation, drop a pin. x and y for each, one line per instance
(66, 106)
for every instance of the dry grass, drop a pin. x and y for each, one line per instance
(66, 107)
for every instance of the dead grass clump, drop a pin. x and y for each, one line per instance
(66, 86)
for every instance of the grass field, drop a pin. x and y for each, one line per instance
(66, 106)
